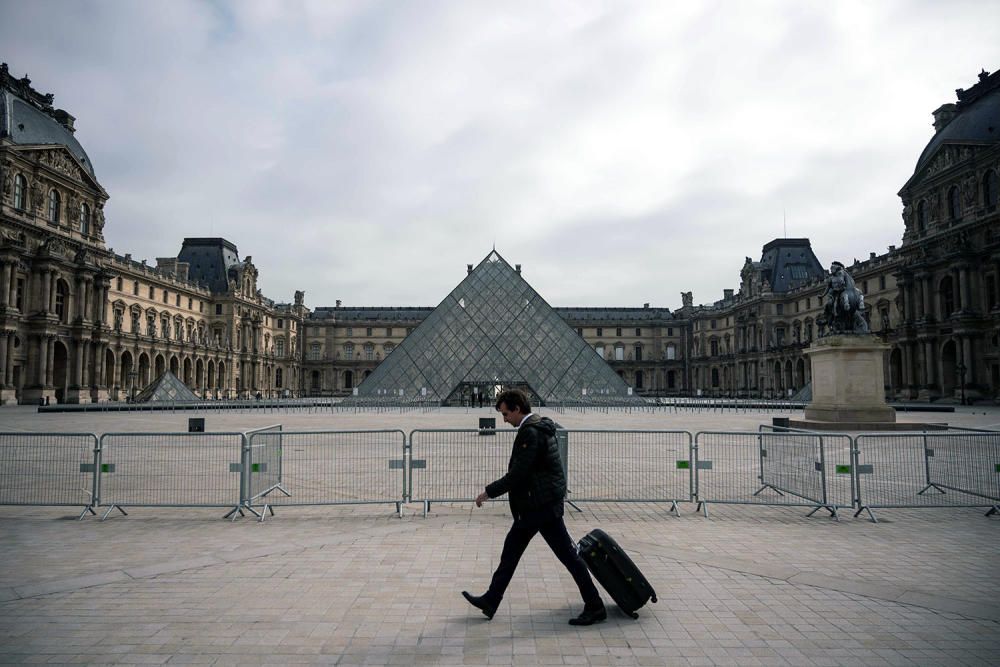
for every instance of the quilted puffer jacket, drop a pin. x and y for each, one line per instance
(535, 477)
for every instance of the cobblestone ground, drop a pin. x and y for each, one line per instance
(358, 585)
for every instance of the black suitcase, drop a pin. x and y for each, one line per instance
(615, 571)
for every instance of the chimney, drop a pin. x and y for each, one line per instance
(64, 119)
(517, 267)
(727, 294)
(468, 267)
(645, 305)
(944, 115)
(338, 303)
(871, 255)
(892, 248)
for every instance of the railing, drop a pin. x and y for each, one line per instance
(265, 468)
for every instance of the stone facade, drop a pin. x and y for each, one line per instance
(79, 323)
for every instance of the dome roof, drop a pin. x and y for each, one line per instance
(974, 120)
(27, 118)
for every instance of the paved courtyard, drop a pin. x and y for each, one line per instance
(358, 585)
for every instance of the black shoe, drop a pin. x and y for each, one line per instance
(481, 604)
(590, 616)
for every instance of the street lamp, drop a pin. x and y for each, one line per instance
(960, 369)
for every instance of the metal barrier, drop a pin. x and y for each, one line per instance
(170, 470)
(325, 468)
(261, 467)
(757, 468)
(930, 469)
(629, 466)
(48, 469)
(455, 465)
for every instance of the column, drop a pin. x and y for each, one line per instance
(907, 360)
(43, 360)
(5, 276)
(50, 370)
(46, 291)
(928, 363)
(4, 377)
(9, 366)
(87, 379)
(970, 373)
(964, 293)
(77, 378)
(12, 296)
(53, 279)
(928, 298)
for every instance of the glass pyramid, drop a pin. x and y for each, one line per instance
(492, 332)
(167, 387)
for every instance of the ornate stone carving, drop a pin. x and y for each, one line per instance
(37, 194)
(61, 162)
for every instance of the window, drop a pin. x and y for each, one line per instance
(20, 193)
(368, 331)
(348, 350)
(84, 220)
(599, 349)
(135, 322)
(53, 207)
(809, 302)
(712, 324)
(954, 205)
(388, 347)
(991, 292)
(61, 293)
(638, 332)
(279, 347)
(218, 309)
(670, 331)
(881, 282)
(715, 377)
(119, 284)
(671, 352)
(177, 301)
(135, 287)
(314, 351)
(638, 379)
(600, 331)
(620, 353)
(638, 352)
(947, 292)
(350, 331)
(864, 287)
(369, 352)
(671, 380)
(618, 331)
(19, 295)
(921, 216)
(166, 295)
(779, 309)
(714, 346)
(189, 304)
(388, 331)
(150, 291)
(991, 188)
(281, 323)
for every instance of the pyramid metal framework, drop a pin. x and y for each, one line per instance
(493, 330)
(167, 387)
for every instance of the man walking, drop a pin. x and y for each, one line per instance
(536, 486)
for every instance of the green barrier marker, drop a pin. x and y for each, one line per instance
(998, 467)
(255, 467)
(686, 465)
(106, 467)
(843, 470)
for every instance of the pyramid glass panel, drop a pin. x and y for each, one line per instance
(493, 331)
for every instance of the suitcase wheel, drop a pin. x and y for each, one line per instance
(653, 597)
(634, 614)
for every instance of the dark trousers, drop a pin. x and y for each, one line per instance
(549, 523)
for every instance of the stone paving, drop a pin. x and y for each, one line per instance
(356, 585)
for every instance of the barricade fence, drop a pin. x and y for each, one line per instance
(325, 468)
(263, 468)
(48, 469)
(933, 469)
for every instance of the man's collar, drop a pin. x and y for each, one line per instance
(524, 420)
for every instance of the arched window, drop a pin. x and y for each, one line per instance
(954, 204)
(991, 188)
(61, 293)
(921, 216)
(20, 193)
(53, 207)
(369, 351)
(84, 220)
(348, 350)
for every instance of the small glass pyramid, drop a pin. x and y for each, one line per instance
(167, 387)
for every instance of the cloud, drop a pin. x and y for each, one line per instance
(621, 152)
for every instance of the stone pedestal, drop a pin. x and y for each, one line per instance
(848, 380)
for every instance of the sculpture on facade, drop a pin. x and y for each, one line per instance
(843, 304)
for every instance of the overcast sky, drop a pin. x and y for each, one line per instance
(621, 152)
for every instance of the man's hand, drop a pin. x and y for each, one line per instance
(482, 498)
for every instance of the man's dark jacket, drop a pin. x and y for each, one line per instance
(535, 478)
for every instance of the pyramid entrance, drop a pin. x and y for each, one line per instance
(492, 332)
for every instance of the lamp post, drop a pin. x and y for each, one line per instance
(960, 369)
(132, 377)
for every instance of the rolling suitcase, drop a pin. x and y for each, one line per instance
(615, 571)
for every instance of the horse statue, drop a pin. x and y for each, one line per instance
(843, 304)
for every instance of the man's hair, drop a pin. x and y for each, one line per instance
(514, 399)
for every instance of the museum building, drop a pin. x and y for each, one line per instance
(80, 323)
